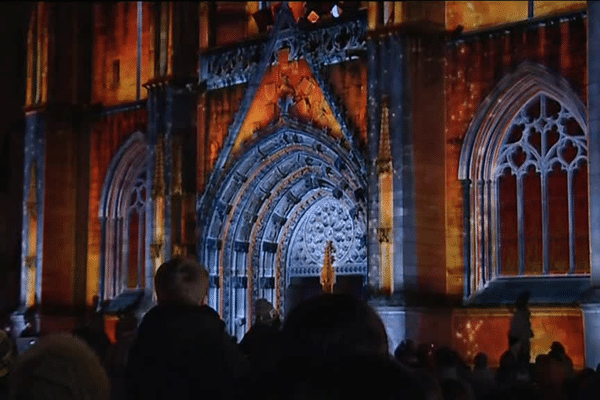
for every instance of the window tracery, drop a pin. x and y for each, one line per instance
(545, 151)
(523, 167)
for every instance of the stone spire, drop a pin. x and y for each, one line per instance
(384, 158)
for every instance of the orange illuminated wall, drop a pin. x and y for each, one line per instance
(214, 119)
(486, 331)
(349, 81)
(472, 71)
(427, 104)
(543, 8)
(59, 218)
(293, 79)
(229, 22)
(38, 39)
(473, 15)
(115, 51)
(107, 136)
(232, 26)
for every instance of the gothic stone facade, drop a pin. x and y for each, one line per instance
(450, 167)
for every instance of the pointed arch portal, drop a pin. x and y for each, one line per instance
(271, 216)
(267, 213)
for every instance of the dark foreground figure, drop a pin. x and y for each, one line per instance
(59, 367)
(335, 347)
(182, 350)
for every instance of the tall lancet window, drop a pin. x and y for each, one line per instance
(524, 171)
(123, 215)
(135, 229)
(541, 189)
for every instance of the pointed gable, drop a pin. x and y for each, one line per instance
(292, 81)
(285, 78)
(285, 70)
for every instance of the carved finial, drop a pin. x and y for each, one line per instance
(384, 158)
(328, 271)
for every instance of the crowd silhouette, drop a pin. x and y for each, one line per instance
(332, 346)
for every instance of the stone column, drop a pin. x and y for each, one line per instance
(387, 80)
(33, 209)
(594, 136)
(591, 306)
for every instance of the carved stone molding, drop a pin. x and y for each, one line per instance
(325, 46)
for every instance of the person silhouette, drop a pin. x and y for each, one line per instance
(520, 327)
(182, 348)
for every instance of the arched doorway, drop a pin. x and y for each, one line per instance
(267, 220)
(327, 219)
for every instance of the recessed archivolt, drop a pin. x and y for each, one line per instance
(264, 187)
(250, 171)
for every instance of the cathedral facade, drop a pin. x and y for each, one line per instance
(445, 153)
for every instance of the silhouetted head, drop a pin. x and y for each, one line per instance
(455, 389)
(480, 361)
(446, 357)
(333, 325)
(7, 354)
(181, 280)
(352, 377)
(523, 300)
(264, 312)
(557, 348)
(59, 367)
(425, 352)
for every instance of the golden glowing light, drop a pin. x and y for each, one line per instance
(327, 270)
(293, 79)
(386, 203)
(313, 17)
(486, 330)
(32, 242)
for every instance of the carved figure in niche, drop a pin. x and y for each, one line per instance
(284, 104)
(287, 94)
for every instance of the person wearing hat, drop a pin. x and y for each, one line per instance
(182, 350)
